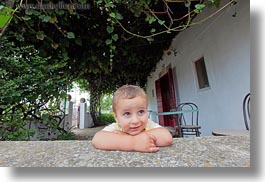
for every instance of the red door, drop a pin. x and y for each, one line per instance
(166, 100)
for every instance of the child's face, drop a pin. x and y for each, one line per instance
(132, 114)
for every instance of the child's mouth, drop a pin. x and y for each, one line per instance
(135, 128)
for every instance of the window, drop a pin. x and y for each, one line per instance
(202, 77)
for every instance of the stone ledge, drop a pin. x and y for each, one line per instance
(229, 151)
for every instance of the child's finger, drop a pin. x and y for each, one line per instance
(152, 139)
(154, 149)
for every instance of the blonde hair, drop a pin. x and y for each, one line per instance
(127, 92)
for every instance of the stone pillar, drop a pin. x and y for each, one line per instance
(83, 120)
(70, 115)
(68, 109)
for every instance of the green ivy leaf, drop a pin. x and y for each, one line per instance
(119, 16)
(153, 30)
(53, 20)
(54, 45)
(110, 29)
(115, 37)
(45, 18)
(26, 18)
(35, 12)
(161, 22)
(99, 1)
(150, 19)
(113, 47)
(108, 41)
(113, 15)
(199, 8)
(40, 35)
(59, 12)
(109, 4)
(70, 35)
(150, 39)
(28, 12)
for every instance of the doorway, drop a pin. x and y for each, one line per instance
(166, 100)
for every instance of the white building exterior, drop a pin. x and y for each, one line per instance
(224, 42)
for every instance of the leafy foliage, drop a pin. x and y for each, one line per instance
(67, 136)
(106, 118)
(106, 102)
(31, 88)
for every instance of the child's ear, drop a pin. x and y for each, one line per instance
(115, 116)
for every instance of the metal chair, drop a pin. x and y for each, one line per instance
(189, 119)
(246, 111)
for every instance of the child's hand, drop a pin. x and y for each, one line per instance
(145, 142)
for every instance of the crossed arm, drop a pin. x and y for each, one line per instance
(146, 141)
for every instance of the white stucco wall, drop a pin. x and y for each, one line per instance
(224, 42)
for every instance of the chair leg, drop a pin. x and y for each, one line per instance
(179, 130)
(197, 133)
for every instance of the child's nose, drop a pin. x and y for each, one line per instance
(135, 119)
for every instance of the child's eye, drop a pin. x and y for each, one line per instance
(141, 112)
(126, 114)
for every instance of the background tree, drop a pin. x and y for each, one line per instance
(31, 89)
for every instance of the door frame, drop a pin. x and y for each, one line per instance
(166, 101)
